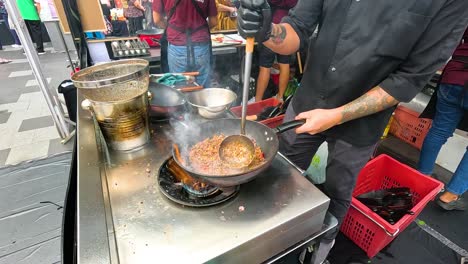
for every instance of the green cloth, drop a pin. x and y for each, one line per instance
(28, 9)
(170, 79)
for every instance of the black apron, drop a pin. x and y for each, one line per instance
(191, 65)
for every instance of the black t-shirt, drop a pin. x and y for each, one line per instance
(397, 45)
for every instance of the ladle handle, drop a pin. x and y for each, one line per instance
(249, 46)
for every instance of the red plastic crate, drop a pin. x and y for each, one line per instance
(407, 126)
(257, 108)
(367, 229)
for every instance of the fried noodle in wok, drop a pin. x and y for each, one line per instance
(204, 157)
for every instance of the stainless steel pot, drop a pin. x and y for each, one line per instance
(211, 102)
(116, 95)
(123, 124)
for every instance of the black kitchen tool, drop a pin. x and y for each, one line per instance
(390, 204)
(266, 113)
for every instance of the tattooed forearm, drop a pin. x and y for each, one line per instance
(371, 102)
(278, 33)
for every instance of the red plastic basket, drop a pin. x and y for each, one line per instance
(367, 229)
(257, 108)
(407, 126)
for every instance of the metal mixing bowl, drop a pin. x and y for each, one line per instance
(211, 102)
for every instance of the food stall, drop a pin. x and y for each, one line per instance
(132, 208)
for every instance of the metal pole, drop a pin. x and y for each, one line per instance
(34, 62)
(65, 45)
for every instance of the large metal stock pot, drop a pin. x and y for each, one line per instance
(117, 96)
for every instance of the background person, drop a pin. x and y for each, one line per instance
(134, 14)
(451, 107)
(147, 4)
(187, 27)
(227, 15)
(4, 16)
(279, 9)
(29, 11)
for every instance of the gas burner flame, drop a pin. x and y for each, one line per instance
(200, 189)
(192, 186)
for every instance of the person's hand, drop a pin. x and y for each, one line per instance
(318, 120)
(254, 20)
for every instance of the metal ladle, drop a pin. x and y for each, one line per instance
(241, 143)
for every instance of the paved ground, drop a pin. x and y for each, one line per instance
(31, 200)
(26, 127)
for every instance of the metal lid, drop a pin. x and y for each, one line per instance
(110, 73)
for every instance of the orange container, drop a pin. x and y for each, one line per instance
(407, 126)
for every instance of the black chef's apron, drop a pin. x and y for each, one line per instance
(191, 64)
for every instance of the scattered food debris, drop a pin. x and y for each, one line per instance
(222, 218)
(148, 170)
(141, 202)
(241, 208)
(222, 212)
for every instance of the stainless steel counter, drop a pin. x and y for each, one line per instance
(124, 218)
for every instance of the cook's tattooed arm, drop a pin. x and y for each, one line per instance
(371, 102)
(278, 33)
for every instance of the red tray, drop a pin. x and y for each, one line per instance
(257, 108)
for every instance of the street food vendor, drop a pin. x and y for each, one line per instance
(187, 26)
(368, 56)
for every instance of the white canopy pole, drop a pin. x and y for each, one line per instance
(33, 58)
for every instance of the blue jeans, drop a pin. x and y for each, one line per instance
(452, 101)
(12, 31)
(177, 60)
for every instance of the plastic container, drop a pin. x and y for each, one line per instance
(367, 229)
(407, 126)
(257, 108)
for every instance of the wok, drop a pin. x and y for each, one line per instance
(165, 101)
(266, 138)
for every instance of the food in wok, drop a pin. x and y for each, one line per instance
(204, 157)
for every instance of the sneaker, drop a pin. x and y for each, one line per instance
(16, 46)
(41, 52)
(458, 205)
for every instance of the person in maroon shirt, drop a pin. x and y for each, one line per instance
(187, 26)
(279, 9)
(450, 109)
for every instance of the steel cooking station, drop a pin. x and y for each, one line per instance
(125, 217)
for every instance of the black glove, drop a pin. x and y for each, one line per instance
(254, 19)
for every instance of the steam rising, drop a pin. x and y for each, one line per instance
(185, 133)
